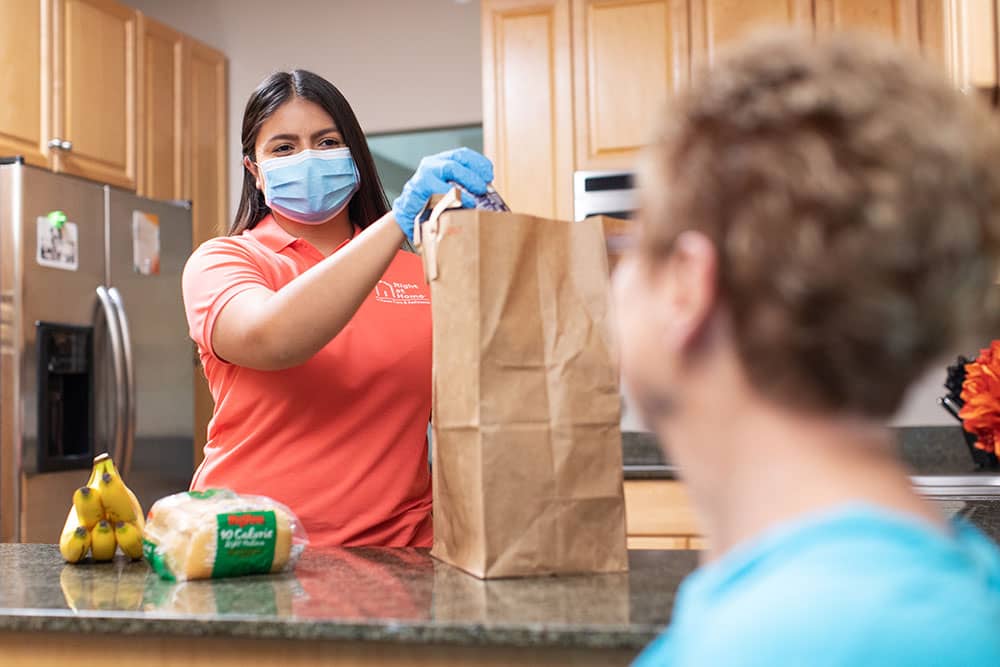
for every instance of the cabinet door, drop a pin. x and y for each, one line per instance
(205, 177)
(95, 90)
(160, 148)
(658, 508)
(206, 146)
(898, 20)
(961, 37)
(24, 84)
(629, 55)
(527, 103)
(715, 23)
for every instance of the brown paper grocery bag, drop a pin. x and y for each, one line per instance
(527, 463)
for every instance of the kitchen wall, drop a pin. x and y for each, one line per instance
(403, 64)
(921, 407)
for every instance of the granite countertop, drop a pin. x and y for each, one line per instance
(926, 450)
(982, 512)
(395, 595)
(371, 594)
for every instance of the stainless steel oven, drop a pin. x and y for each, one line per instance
(610, 193)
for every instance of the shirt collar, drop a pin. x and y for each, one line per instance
(270, 233)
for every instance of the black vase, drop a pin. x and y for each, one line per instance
(982, 459)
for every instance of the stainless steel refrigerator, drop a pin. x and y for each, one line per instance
(94, 350)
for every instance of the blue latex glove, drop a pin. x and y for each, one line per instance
(462, 166)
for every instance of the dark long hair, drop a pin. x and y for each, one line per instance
(369, 202)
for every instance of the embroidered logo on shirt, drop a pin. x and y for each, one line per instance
(403, 293)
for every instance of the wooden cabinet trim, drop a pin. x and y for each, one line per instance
(658, 542)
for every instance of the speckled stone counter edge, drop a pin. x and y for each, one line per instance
(405, 631)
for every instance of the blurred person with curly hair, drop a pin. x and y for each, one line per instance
(819, 224)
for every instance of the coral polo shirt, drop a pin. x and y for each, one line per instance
(342, 439)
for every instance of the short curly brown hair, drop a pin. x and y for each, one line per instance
(854, 198)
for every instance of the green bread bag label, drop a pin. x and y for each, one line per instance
(245, 543)
(155, 558)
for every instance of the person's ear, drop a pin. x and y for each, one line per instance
(255, 171)
(687, 283)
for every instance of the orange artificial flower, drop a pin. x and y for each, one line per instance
(981, 393)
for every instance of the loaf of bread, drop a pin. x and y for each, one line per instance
(218, 533)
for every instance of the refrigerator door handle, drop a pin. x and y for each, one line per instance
(118, 367)
(128, 439)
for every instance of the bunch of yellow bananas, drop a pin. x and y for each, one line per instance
(105, 515)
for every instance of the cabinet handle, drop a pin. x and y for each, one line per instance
(60, 144)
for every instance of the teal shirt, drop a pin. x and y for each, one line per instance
(858, 587)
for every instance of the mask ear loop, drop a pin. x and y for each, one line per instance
(260, 177)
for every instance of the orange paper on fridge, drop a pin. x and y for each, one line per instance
(527, 460)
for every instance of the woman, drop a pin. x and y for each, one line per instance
(820, 223)
(314, 327)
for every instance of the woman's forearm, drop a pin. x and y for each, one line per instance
(274, 330)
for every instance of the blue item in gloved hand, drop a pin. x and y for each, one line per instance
(436, 175)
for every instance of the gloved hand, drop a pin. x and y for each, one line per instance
(462, 166)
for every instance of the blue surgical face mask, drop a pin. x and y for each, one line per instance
(312, 186)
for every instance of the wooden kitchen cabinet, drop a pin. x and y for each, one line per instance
(160, 150)
(959, 36)
(24, 84)
(659, 515)
(527, 103)
(182, 148)
(98, 90)
(628, 56)
(205, 178)
(94, 91)
(578, 84)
